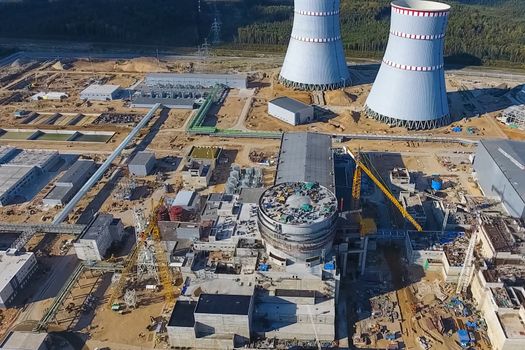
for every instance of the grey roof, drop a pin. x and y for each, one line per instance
(100, 89)
(182, 315)
(289, 104)
(98, 226)
(77, 171)
(223, 304)
(251, 195)
(60, 193)
(142, 158)
(509, 156)
(306, 157)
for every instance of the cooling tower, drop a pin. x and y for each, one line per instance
(315, 59)
(409, 89)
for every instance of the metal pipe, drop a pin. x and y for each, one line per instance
(98, 174)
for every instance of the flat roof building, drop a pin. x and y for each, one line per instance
(20, 340)
(72, 180)
(96, 92)
(98, 237)
(15, 270)
(499, 167)
(291, 111)
(142, 164)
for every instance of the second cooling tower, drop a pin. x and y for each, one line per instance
(409, 90)
(315, 59)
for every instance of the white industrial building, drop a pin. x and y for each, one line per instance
(19, 169)
(291, 111)
(96, 92)
(142, 164)
(98, 237)
(15, 270)
(72, 180)
(499, 167)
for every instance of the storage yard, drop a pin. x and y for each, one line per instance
(218, 210)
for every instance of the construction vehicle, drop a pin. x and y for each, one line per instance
(356, 190)
(152, 230)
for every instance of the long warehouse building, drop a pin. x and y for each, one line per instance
(499, 167)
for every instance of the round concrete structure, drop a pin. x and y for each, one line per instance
(409, 89)
(297, 221)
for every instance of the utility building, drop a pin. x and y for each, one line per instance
(142, 164)
(500, 169)
(409, 90)
(216, 321)
(96, 92)
(68, 185)
(98, 237)
(15, 270)
(291, 111)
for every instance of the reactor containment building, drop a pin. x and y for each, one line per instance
(315, 58)
(409, 90)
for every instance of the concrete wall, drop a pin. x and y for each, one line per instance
(209, 324)
(494, 183)
(18, 281)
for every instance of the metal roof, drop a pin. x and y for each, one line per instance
(77, 171)
(182, 315)
(223, 304)
(289, 104)
(142, 158)
(509, 156)
(306, 157)
(100, 89)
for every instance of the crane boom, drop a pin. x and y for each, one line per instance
(386, 192)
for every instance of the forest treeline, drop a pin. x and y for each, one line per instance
(480, 31)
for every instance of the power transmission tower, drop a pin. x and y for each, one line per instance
(216, 31)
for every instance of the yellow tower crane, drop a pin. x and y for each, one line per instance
(152, 230)
(356, 188)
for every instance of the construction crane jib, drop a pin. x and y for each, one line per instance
(356, 192)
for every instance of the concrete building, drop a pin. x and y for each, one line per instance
(499, 166)
(291, 111)
(216, 321)
(234, 81)
(142, 164)
(315, 59)
(15, 271)
(198, 166)
(98, 237)
(20, 340)
(72, 180)
(401, 180)
(21, 169)
(409, 90)
(96, 92)
(297, 221)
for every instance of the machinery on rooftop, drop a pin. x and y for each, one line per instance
(356, 189)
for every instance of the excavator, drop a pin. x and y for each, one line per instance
(360, 167)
